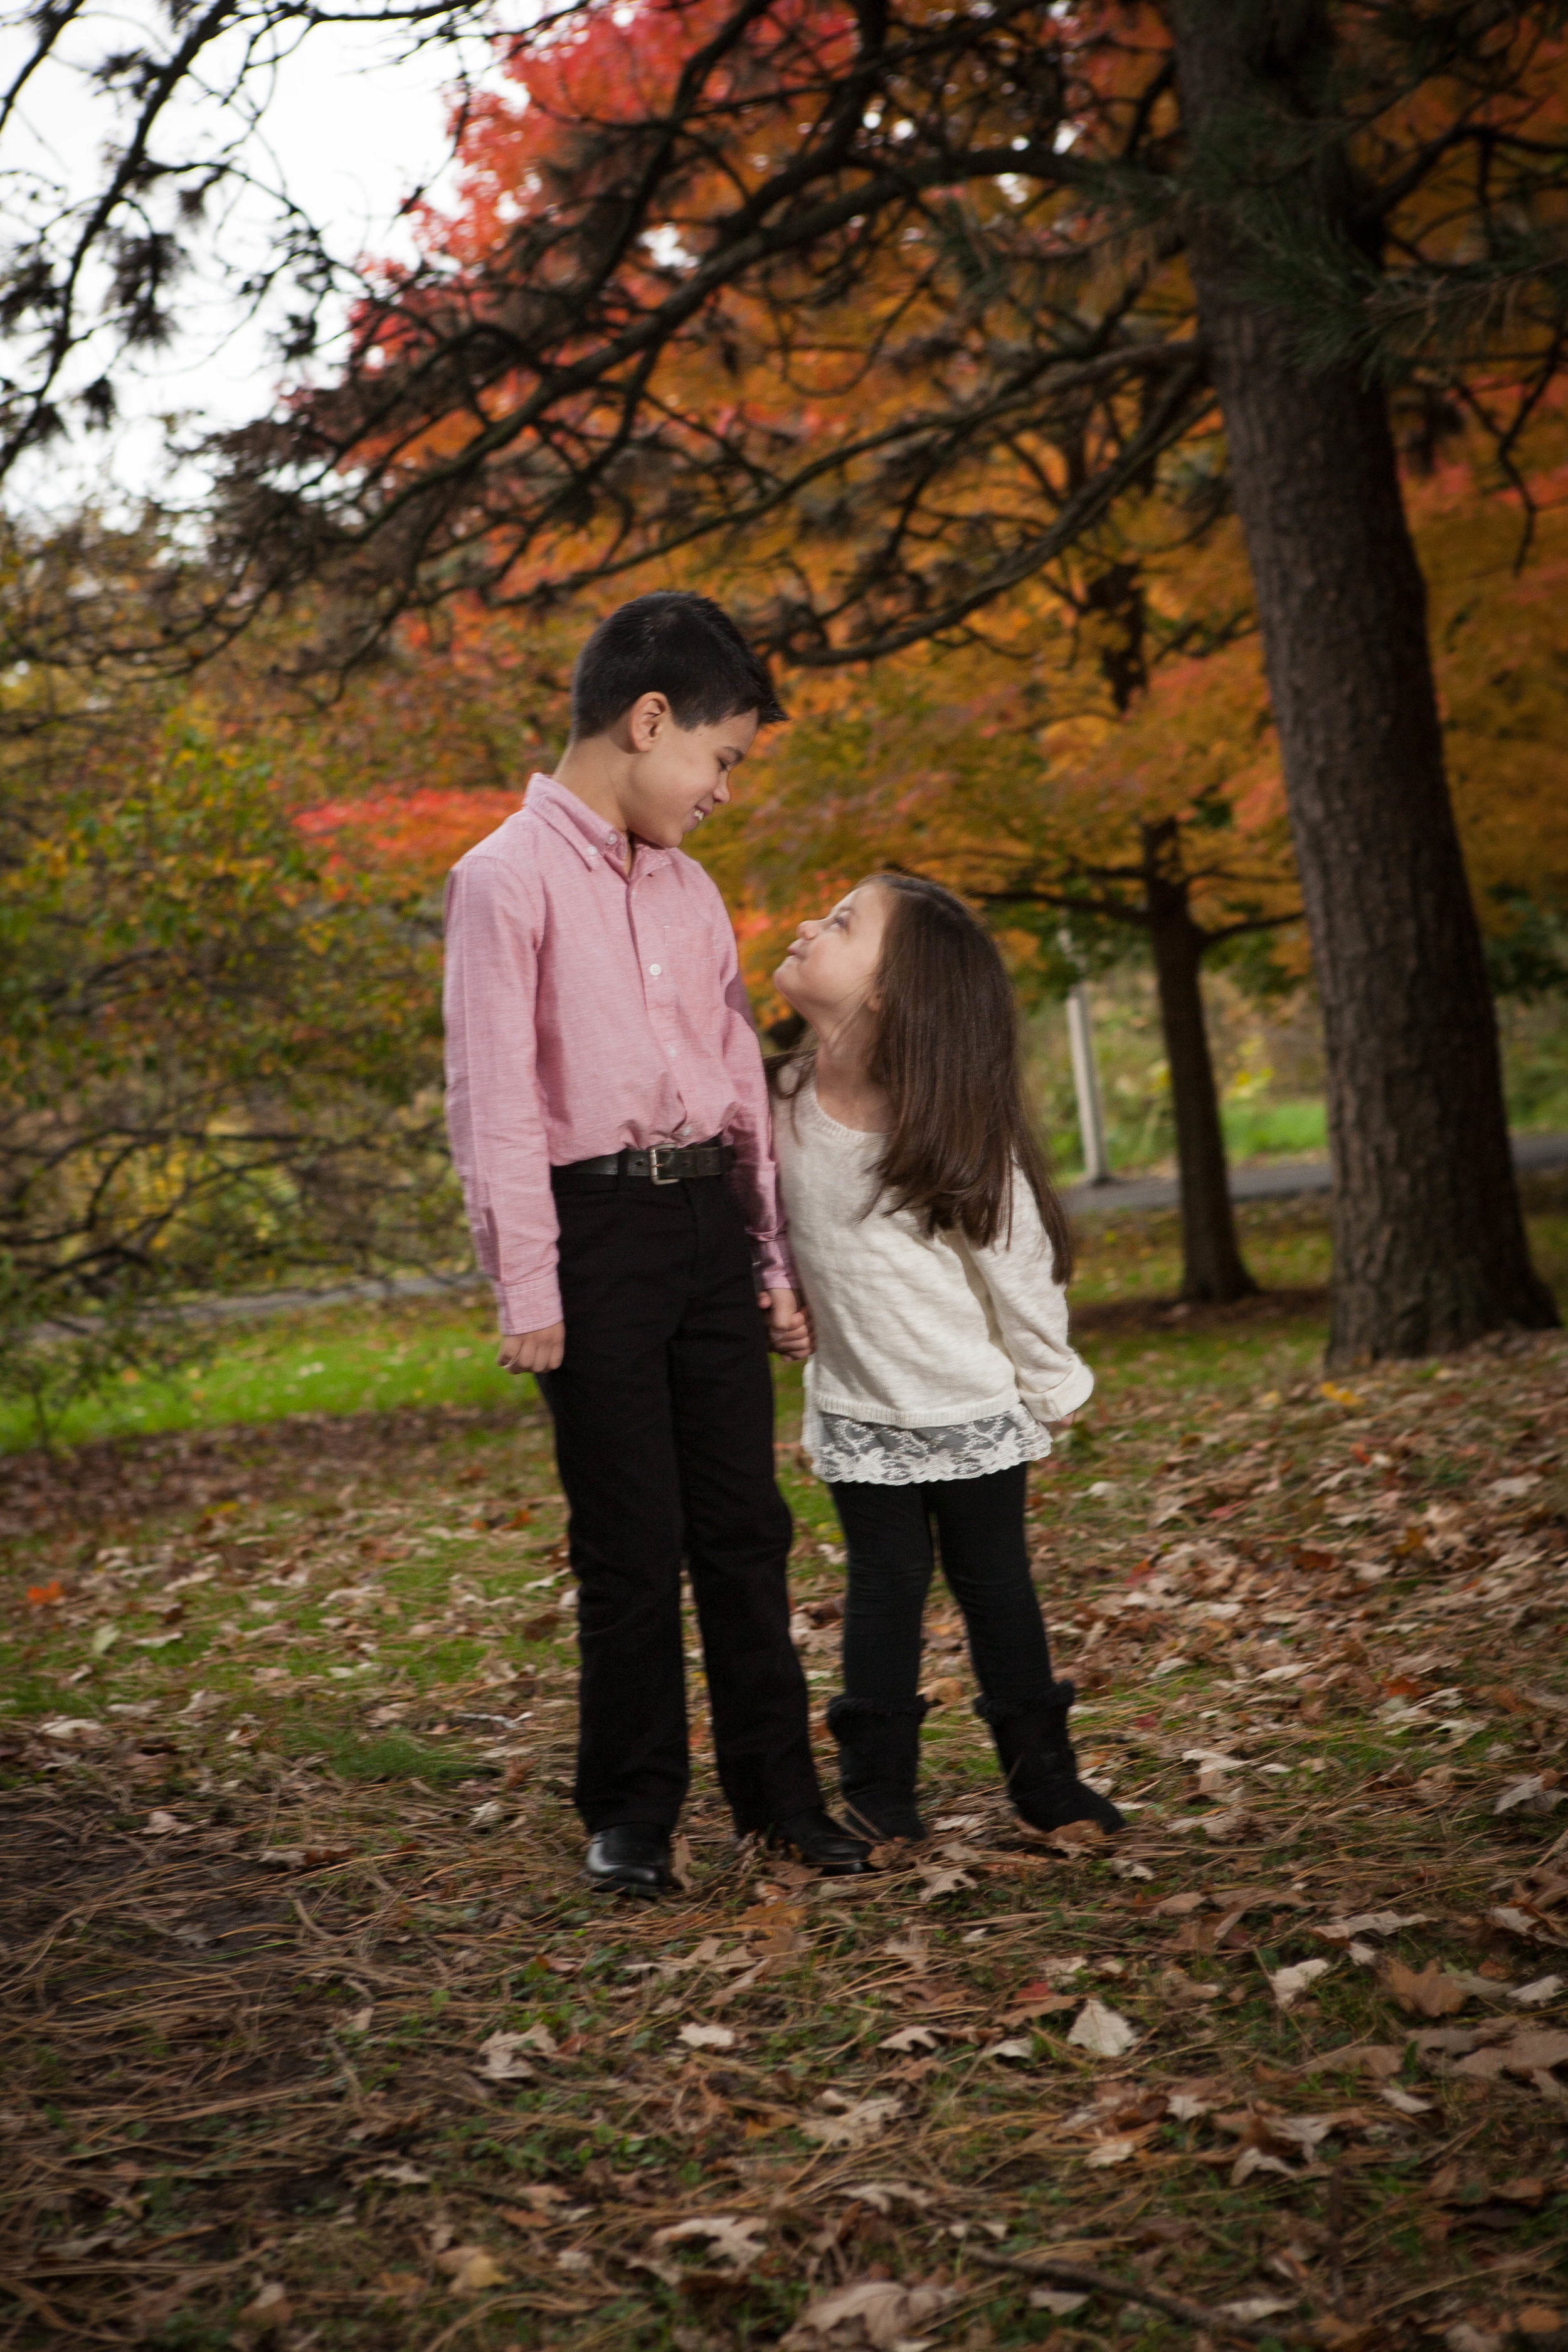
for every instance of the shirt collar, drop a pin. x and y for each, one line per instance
(586, 831)
(572, 819)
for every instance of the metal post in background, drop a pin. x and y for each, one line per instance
(1086, 1084)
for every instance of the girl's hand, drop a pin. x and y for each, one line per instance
(789, 1325)
(1055, 1428)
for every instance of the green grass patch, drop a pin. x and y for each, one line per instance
(377, 1357)
(1281, 1130)
(1133, 1255)
(369, 1357)
(352, 1755)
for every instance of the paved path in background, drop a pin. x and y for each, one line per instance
(1279, 1180)
(251, 1305)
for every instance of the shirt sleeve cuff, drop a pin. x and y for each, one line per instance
(774, 1272)
(530, 1306)
(1066, 1396)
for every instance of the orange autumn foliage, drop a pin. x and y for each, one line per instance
(978, 762)
(969, 763)
(412, 836)
(987, 761)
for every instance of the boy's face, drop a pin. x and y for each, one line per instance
(830, 971)
(679, 774)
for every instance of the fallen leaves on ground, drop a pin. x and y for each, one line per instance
(268, 2308)
(1289, 1985)
(857, 2122)
(472, 2270)
(1273, 2141)
(725, 2238)
(1101, 2030)
(501, 2056)
(910, 2037)
(304, 1989)
(937, 1880)
(708, 2037)
(1528, 2050)
(876, 2313)
(1368, 1923)
(1431, 1993)
(1060, 2302)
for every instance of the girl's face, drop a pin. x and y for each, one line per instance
(830, 971)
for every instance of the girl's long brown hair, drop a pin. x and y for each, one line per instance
(945, 1054)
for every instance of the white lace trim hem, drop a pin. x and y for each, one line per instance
(873, 1453)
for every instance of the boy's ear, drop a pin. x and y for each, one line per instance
(646, 721)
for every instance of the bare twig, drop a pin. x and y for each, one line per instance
(1174, 2306)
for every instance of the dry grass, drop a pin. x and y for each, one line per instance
(307, 1848)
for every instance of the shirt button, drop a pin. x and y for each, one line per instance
(656, 969)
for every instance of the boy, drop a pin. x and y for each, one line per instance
(602, 1079)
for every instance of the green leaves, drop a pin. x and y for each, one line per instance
(221, 1062)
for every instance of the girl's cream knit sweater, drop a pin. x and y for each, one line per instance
(916, 1332)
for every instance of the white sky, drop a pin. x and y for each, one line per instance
(349, 130)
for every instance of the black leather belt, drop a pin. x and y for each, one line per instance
(661, 1163)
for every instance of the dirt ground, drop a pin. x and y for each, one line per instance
(312, 2036)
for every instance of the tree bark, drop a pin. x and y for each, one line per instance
(1212, 1266)
(1429, 1243)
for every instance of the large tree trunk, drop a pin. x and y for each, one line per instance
(1429, 1243)
(1212, 1267)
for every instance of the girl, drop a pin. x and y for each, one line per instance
(932, 1250)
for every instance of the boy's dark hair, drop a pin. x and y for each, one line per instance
(675, 644)
(946, 1055)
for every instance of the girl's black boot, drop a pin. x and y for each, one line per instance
(1039, 1766)
(879, 1759)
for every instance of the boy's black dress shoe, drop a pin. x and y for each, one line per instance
(820, 1842)
(631, 1859)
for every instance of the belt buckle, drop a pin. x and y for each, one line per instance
(656, 1155)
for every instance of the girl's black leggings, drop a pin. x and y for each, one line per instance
(979, 1523)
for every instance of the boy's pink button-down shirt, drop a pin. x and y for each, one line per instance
(584, 1013)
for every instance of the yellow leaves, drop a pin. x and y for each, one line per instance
(400, 2287)
(197, 1019)
(1496, 635)
(470, 2269)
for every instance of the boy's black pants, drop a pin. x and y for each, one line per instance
(980, 1525)
(664, 1434)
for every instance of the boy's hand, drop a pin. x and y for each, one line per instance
(532, 1352)
(789, 1325)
